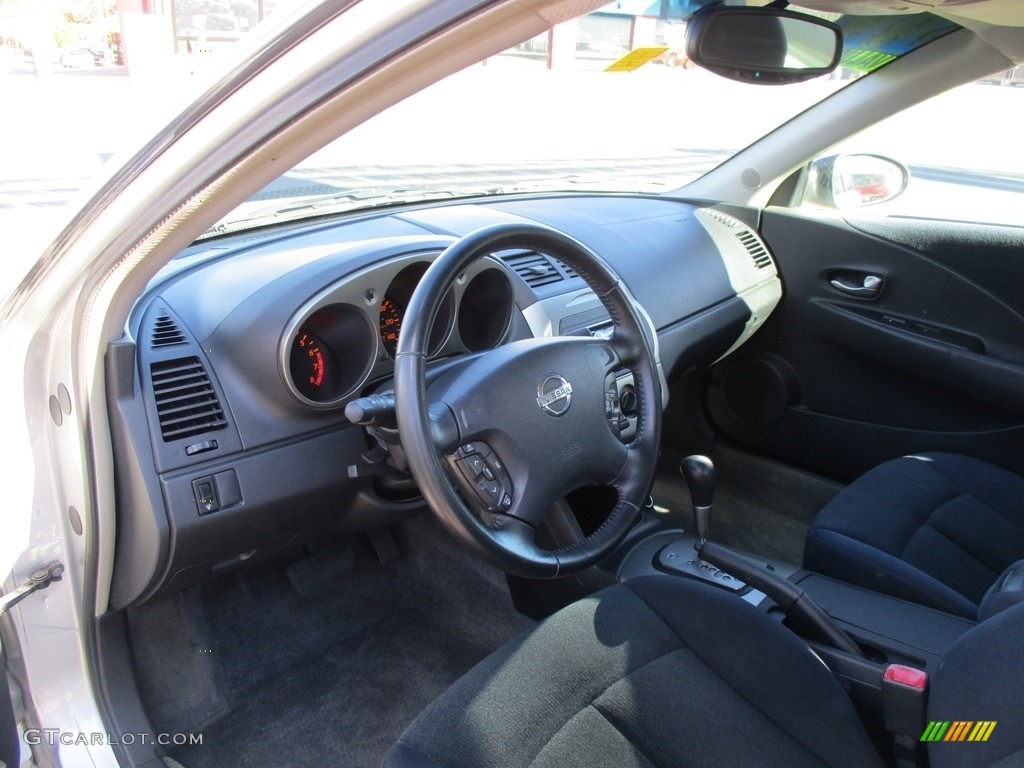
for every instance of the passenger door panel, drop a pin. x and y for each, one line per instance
(929, 359)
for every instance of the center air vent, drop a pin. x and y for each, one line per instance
(186, 402)
(166, 333)
(569, 271)
(534, 268)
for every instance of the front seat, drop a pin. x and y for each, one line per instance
(659, 671)
(664, 671)
(936, 529)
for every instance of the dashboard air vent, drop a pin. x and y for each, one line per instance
(186, 402)
(534, 268)
(166, 333)
(751, 243)
(757, 252)
(569, 271)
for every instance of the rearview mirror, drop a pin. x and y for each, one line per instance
(763, 45)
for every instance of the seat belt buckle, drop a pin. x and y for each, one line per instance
(904, 706)
(904, 699)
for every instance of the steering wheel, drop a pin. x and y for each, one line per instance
(523, 424)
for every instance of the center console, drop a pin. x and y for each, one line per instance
(884, 629)
(888, 629)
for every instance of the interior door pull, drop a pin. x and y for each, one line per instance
(870, 287)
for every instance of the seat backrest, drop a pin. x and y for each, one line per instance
(980, 680)
(1005, 593)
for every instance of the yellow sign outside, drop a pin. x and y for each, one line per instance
(637, 58)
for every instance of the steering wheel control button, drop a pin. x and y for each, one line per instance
(628, 403)
(484, 476)
(475, 463)
(554, 395)
(622, 405)
(490, 491)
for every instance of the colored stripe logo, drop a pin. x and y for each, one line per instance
(958, 730)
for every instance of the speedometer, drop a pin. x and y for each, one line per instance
(396, 299)
(390, 325)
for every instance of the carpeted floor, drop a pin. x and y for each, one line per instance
(760, 505)
(274, 679)
(271, 678)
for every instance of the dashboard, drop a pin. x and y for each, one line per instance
(228, 389)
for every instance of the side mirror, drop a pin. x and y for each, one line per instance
(854, 181)
(762, 45)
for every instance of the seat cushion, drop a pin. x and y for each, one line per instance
(936, 529)
(660, 671)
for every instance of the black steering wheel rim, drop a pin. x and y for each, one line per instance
(504, 540)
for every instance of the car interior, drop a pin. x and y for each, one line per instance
(573, 478)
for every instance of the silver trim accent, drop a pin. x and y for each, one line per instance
(548, 399)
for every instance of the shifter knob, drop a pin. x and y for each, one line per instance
(699, 473)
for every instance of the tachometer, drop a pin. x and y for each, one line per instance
(390, 325)
(313, 368)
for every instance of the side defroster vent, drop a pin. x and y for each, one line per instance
(751, 243)
(166, 333)
(186, 402)
(720, 217)
(534, 268)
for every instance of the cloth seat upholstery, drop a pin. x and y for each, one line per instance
(664, 672)
(936, 529)
(660, 671)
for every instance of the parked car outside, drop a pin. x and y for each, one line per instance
(77, 58)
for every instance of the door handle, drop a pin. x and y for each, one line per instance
(868, 288)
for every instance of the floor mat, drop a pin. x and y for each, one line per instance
(760, 506)
(331, 681)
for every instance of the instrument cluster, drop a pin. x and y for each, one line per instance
(348, 334)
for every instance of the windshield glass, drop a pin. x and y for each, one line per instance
(556, 114)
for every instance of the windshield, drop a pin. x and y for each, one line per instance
(556, 114)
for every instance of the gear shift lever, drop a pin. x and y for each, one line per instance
(699, 473)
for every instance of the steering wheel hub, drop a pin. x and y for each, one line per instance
(495, 443)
